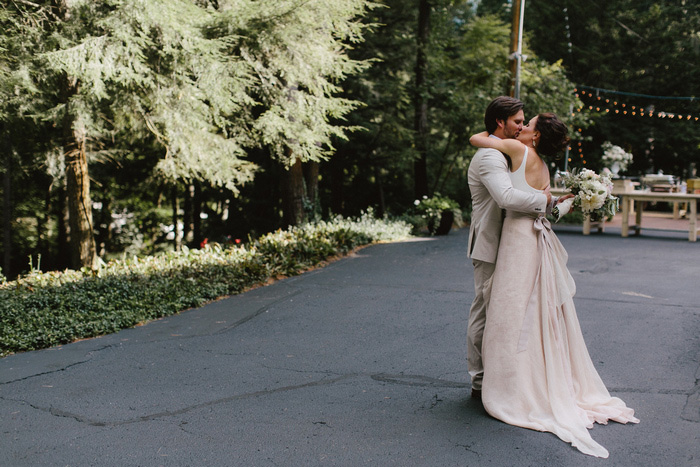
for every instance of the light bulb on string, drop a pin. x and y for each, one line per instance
(634, 109)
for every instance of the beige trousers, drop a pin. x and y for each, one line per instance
(483, 273)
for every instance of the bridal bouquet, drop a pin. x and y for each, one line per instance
(592, 195)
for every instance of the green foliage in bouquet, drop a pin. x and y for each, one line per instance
(47, 309)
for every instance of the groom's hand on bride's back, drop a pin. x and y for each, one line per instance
(549, 196)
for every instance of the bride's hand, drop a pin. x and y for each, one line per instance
(564, 198)
(563, 206)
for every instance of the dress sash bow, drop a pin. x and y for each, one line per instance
(553, 283)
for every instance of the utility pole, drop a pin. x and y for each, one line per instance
(516, 46)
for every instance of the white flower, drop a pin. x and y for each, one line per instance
(587, 174)
(416, 202)
(592, 201)
(594, 186)
(615, 154)
(592, 192)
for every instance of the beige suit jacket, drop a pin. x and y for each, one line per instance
(491, 192)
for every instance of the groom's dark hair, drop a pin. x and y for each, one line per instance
(501, 108)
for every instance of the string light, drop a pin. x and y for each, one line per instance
(634, 112)
(622, 108)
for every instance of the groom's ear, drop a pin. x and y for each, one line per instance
(501, 123)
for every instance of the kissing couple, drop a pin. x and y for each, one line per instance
(526, 355)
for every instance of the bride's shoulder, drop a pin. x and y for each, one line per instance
(515, 149)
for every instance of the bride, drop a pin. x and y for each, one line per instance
(537, 370)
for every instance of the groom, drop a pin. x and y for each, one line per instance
(491, 192)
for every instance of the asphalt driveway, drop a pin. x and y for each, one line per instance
(362, 363)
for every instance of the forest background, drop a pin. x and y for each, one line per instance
(129, 127)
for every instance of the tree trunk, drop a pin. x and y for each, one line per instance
(187, 217)
(420, 123)
(380, 192)
(293, 195)
(63, 231)
(82, 242)
(45, 232)
(176, 227)
(311, 171)
(7, 213)
(337, 179)
(197, 213)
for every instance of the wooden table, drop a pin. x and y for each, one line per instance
(627, 198)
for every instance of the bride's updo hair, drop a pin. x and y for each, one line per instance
(553, 134)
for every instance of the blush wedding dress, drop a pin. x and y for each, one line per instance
(537, 370)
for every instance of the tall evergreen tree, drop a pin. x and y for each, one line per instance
(297, 52)
(143, 68)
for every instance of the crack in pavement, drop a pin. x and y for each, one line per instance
(256, 313)
(58, 370)
(468, 447)
(418, 381)
(673, 392)
(171, 337)
(170, 413)
(691, 410)
(684, 307)
(406, 380)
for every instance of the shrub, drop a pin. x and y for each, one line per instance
(427, 212)
(44, 309)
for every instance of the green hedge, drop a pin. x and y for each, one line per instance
(42, 310)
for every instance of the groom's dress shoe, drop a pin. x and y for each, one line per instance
(476, 393)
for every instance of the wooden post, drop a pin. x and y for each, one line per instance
(514, 35)
(693, 228)
(625, 216)
(420, 119)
